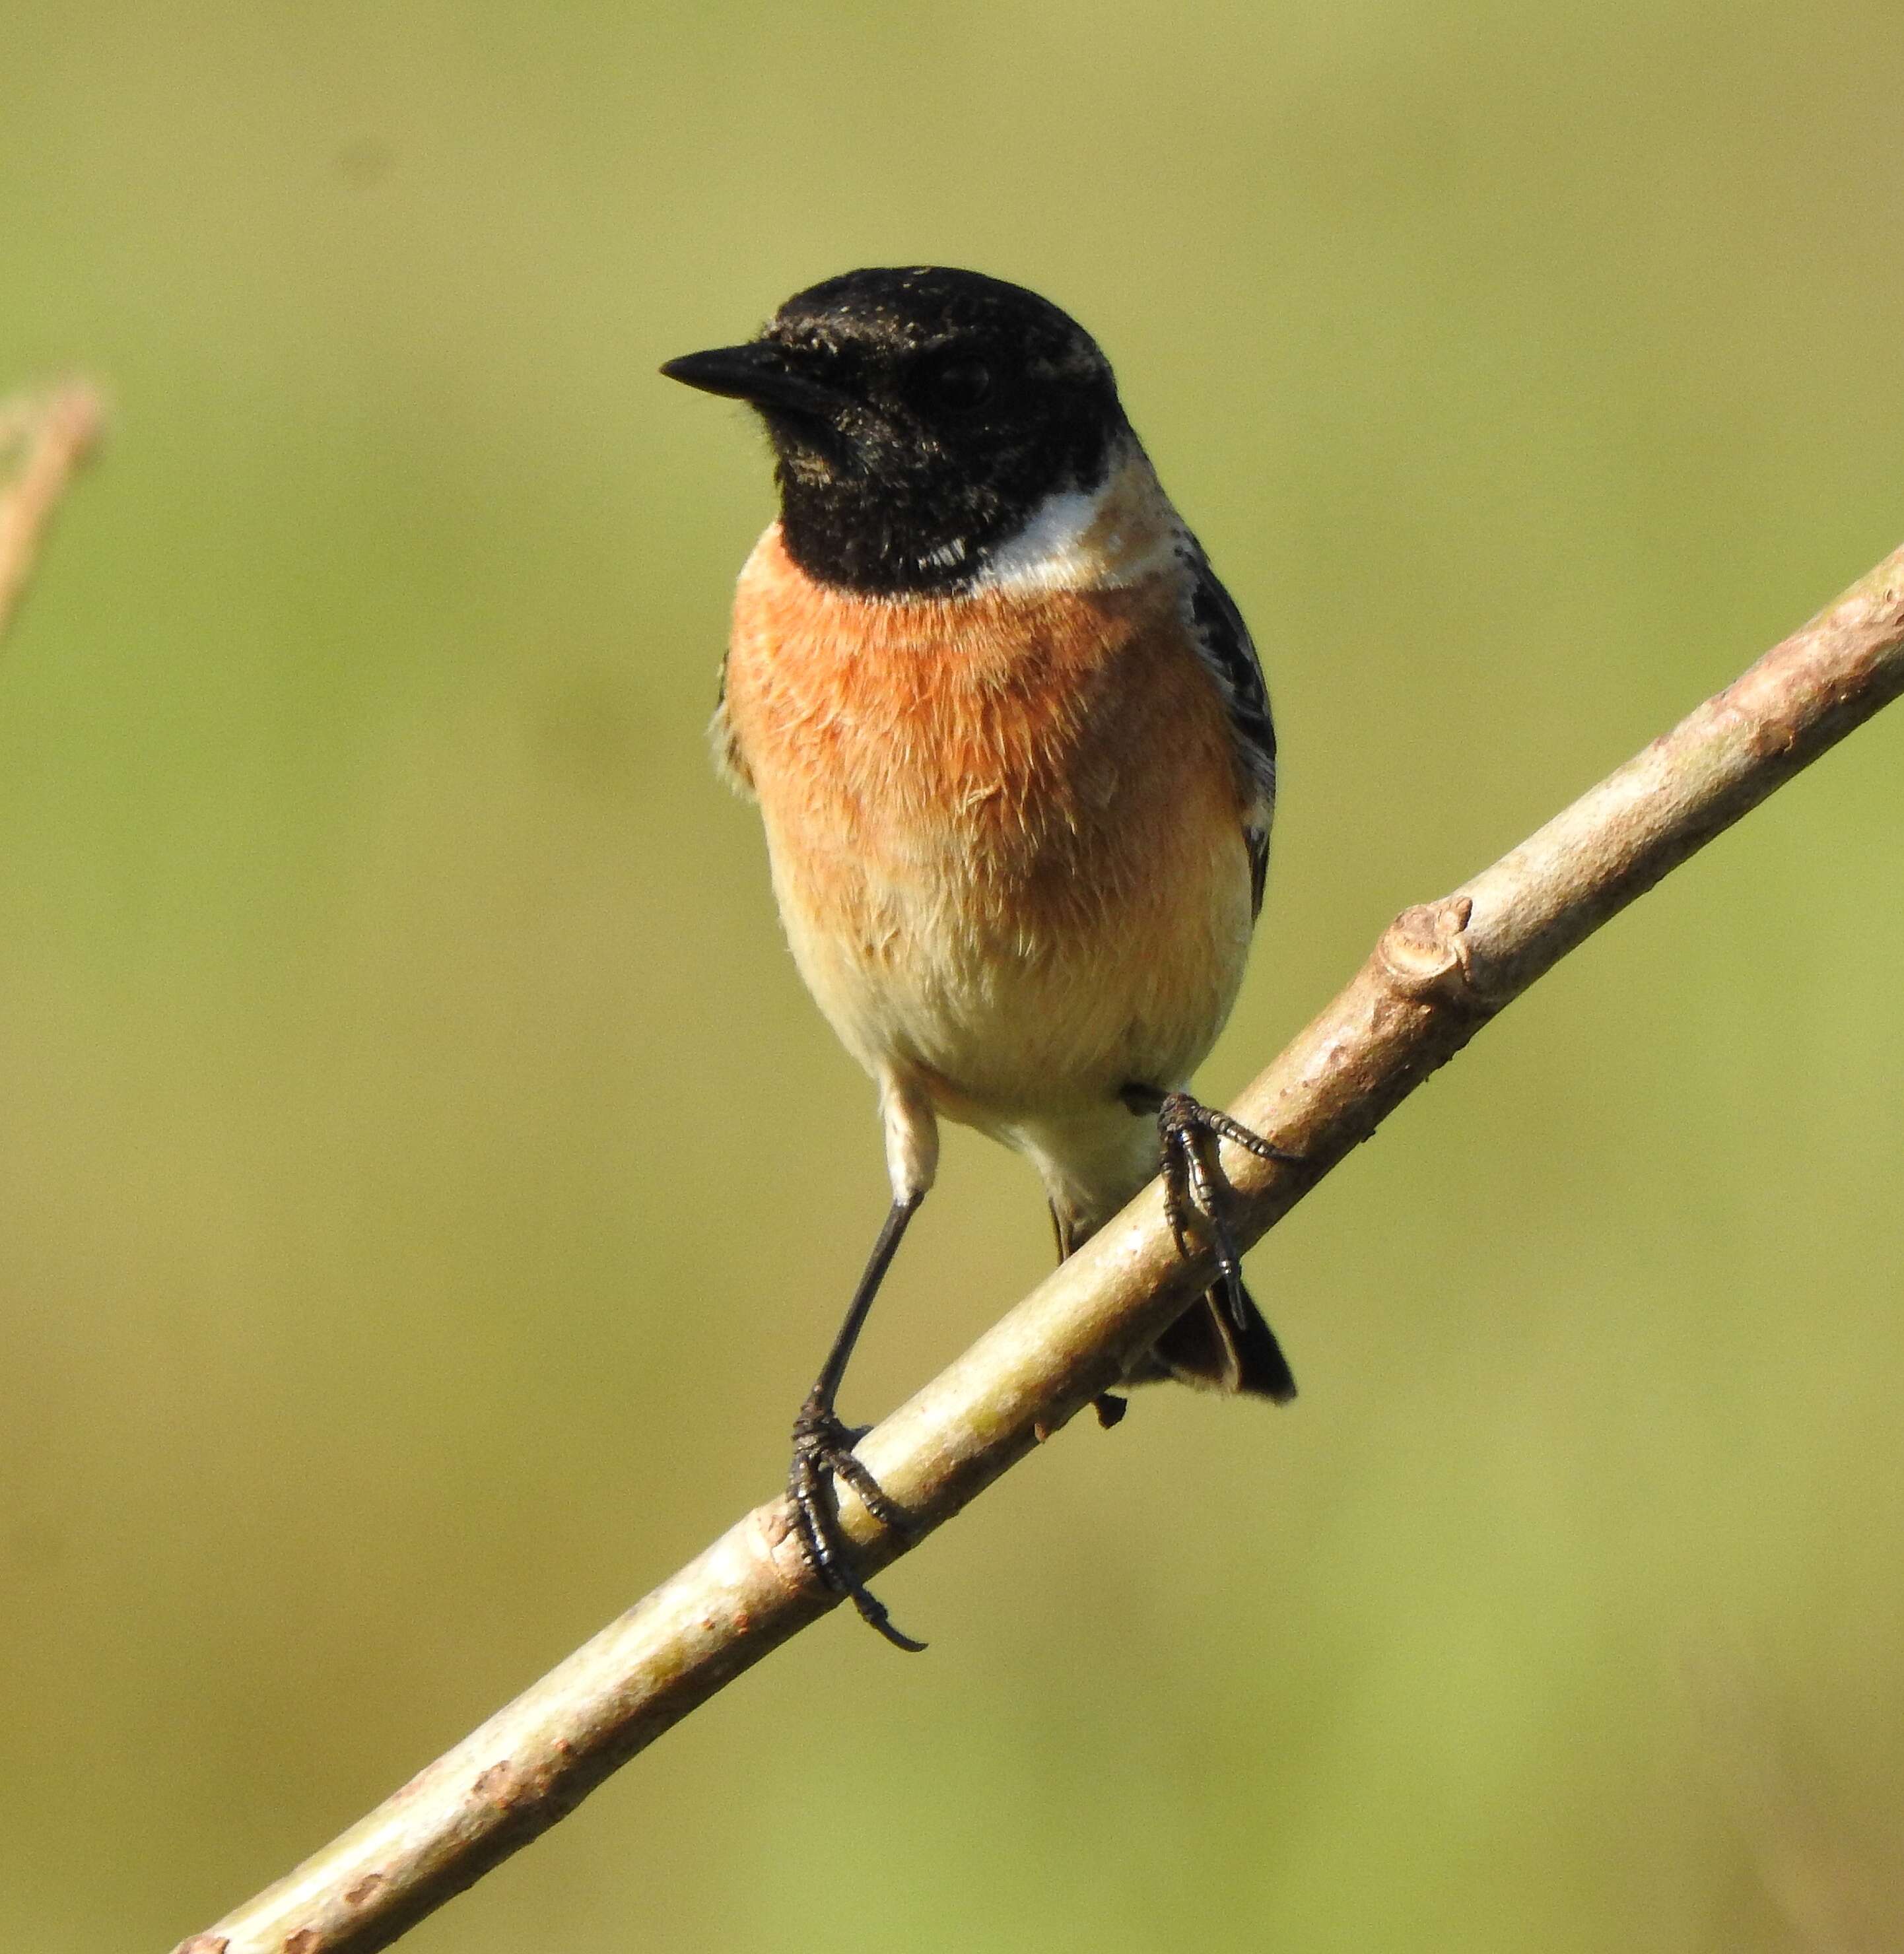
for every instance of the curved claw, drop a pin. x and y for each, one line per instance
(872, 1612)
(1193, 1178)
(1221, 1124)
(822, 1455)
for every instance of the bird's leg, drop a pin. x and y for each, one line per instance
(1188, 1132)
(823, 1450)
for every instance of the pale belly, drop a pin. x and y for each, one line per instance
(1015, 999)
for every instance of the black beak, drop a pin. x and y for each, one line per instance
(759, 372)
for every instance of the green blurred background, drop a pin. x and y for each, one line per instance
(426, 1190)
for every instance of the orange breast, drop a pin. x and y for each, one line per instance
(1005, 829)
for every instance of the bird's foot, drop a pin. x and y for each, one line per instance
(823, 1454)
(1188, 1133)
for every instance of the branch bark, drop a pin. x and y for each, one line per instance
(53, 435)
(1437, 975)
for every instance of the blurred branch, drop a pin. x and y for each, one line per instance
(52, 435)
(1438, 974)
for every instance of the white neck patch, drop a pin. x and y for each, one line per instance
(1077, 539)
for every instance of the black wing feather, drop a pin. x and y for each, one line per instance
(1223, 643)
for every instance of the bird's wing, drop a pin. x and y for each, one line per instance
(1223, 643)
(729, 762)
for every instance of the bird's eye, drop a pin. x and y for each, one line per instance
(961, 384)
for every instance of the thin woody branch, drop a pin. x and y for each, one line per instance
(1438, 974)
(51, 437)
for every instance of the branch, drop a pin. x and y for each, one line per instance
(53, 436)
(1438, 974)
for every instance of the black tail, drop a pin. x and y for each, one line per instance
(1208, 1347)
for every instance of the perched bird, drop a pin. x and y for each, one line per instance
(1012, 752)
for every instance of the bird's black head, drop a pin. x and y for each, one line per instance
(918, 417)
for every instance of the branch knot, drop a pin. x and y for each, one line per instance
(1427, 954)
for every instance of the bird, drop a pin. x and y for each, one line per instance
(1012, 752)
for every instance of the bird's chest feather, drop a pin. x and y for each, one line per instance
(975, 804)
